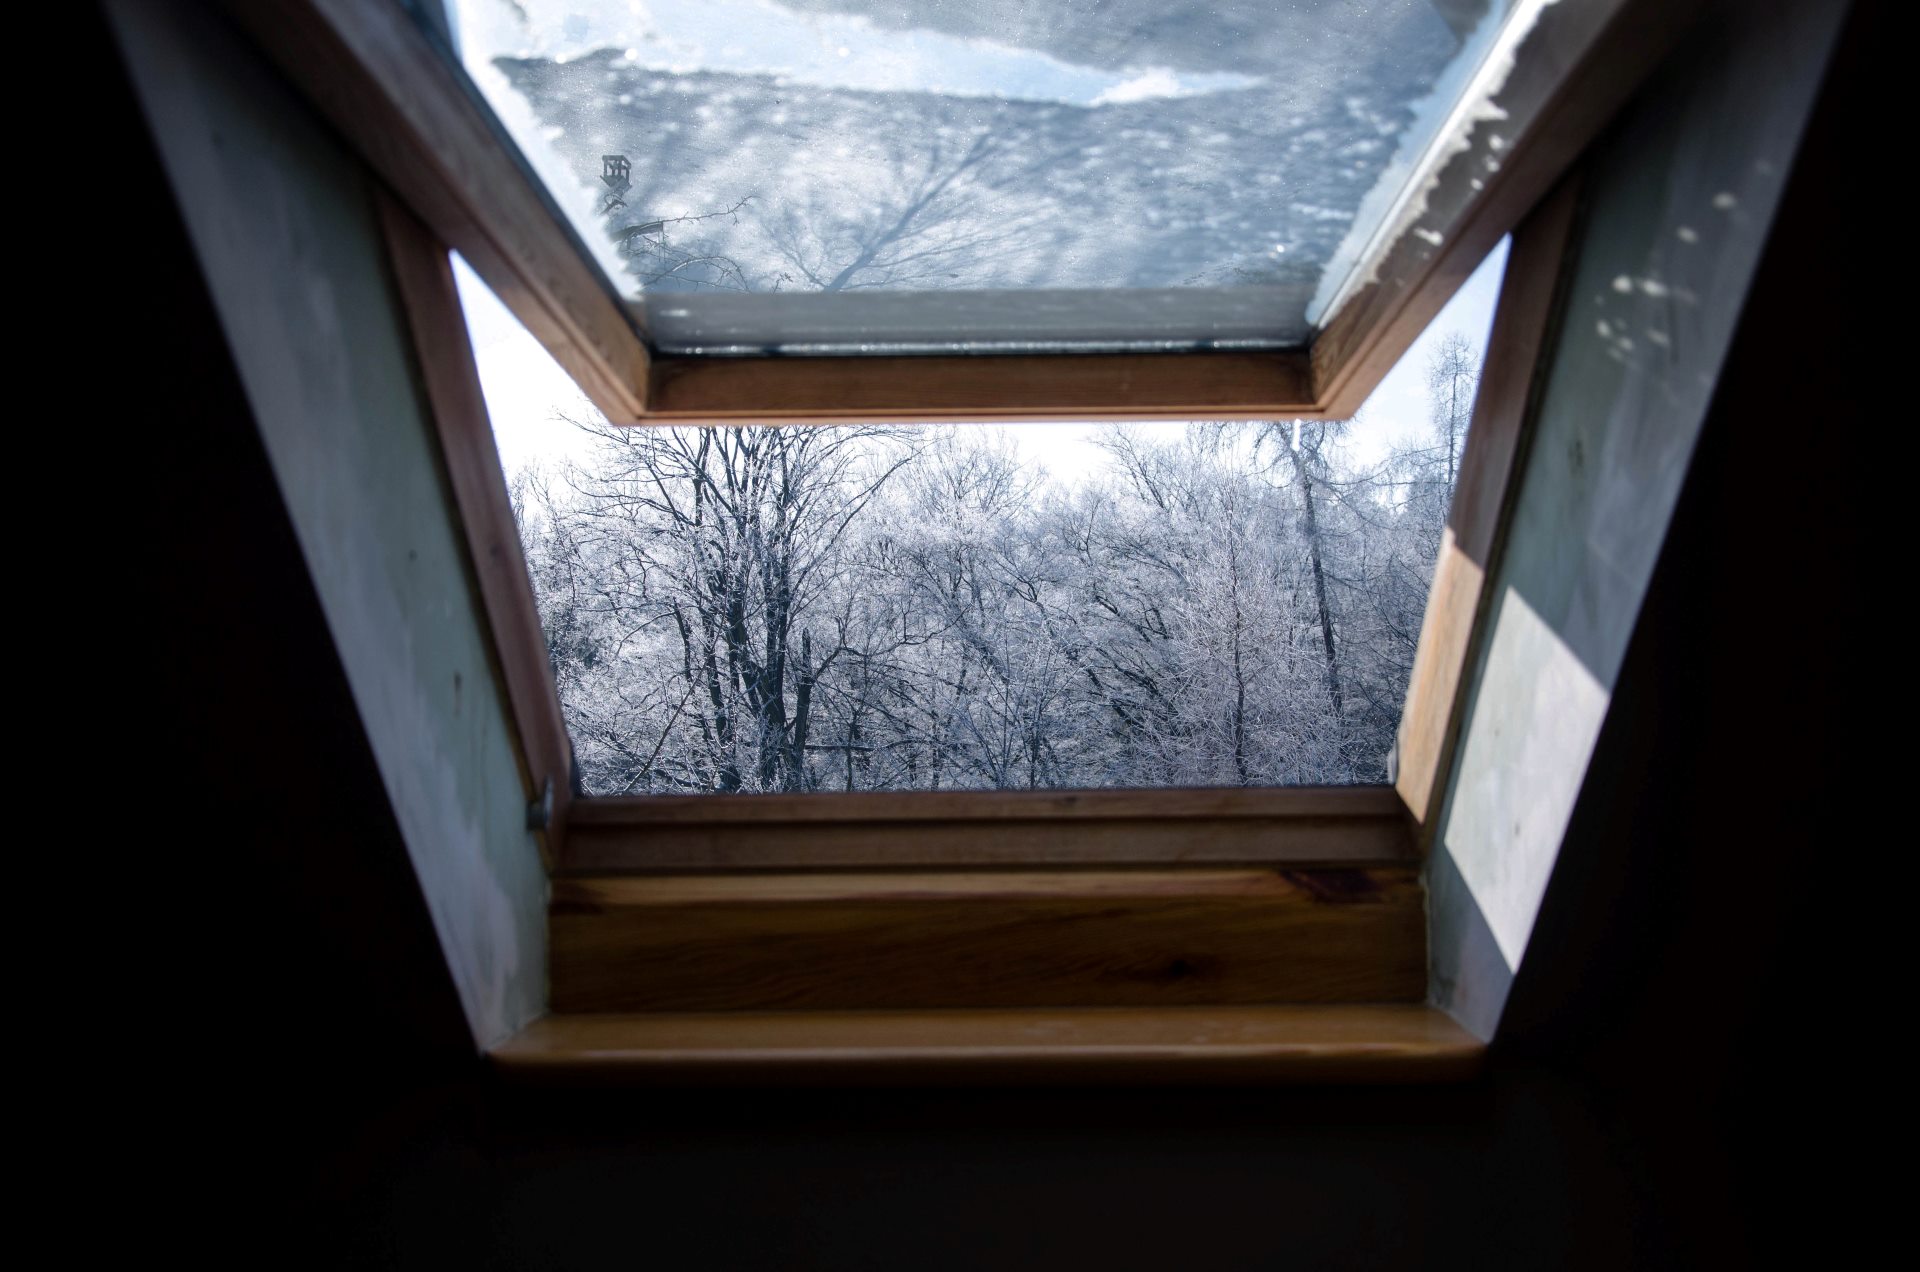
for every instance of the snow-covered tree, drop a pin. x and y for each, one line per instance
(799, 608)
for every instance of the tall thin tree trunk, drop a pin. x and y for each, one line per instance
(802, 716)
(1239, 670)
(1319, 570)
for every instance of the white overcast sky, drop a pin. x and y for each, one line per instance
(527, 392)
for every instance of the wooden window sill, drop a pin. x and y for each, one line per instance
(1341, 1043)
(927, 940)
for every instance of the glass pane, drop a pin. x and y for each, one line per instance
(980, 606)
(825, 176)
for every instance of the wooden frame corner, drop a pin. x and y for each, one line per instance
(423, 278)
(1524, 322)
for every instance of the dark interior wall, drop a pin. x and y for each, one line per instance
(305, 1091)
(273, 993)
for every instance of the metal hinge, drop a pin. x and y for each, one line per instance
(540, 810)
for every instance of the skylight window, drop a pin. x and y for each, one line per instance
(829, 176)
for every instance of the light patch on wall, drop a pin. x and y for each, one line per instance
(1527, 744)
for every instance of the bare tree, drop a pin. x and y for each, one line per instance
(1453, 373)
(681, 253)
(957, 208)
(728, 542)
(1310, 467)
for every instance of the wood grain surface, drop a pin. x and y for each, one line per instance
(1369, 1043)
(977, 938)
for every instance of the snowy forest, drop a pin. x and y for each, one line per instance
(863, 608)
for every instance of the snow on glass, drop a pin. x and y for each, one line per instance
(979, 606)
(856, 176)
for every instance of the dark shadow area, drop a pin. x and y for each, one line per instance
(303, 1091)
(292, 1019)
